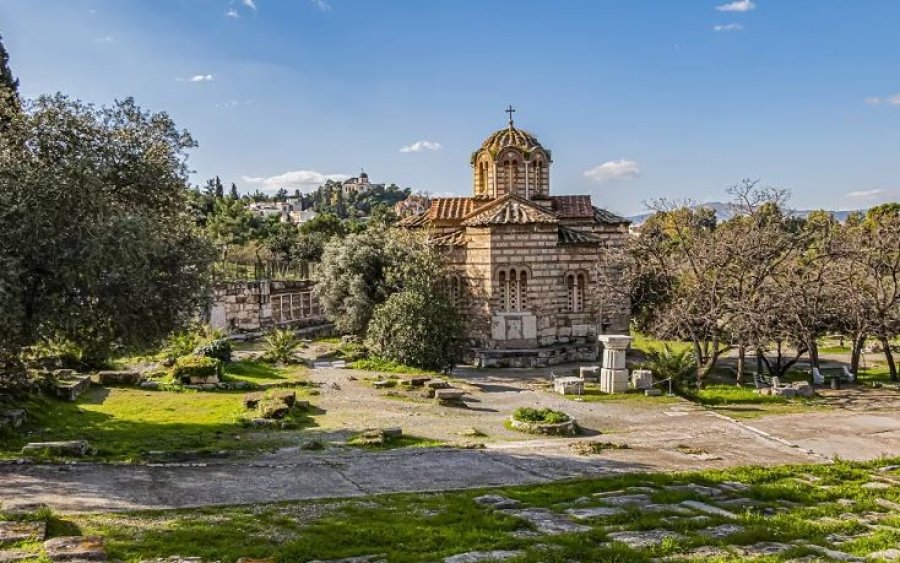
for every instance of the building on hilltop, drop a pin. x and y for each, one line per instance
(288, 211)
(524, 262)
(358, 185)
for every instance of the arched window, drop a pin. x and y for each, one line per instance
(513, 285)
(482, 177)
(511, 166)
(575, 286)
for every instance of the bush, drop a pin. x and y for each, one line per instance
(679, 366)
(280, 345)
(54, 353)
(186, 342)
(417, 327)
(195, 366)
(543, 416)
(219, 349)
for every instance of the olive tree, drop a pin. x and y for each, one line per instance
(96, 243)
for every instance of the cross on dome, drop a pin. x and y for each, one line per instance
(510, 110)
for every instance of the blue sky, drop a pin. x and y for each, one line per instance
(636, 99)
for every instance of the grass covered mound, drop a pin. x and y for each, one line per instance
(540, 416)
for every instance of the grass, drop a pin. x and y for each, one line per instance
(593, 394)
(261, 373)
(428, 527)
(396, 443)
(744, 402)
(129, 424)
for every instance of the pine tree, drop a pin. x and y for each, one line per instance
(220, 190)
(6, 76)
(234, 192)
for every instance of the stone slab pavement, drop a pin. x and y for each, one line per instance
(296, 475)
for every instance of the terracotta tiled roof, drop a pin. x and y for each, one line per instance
(573, 206)
(571, 236)
(450, 208)
(456, 238)
(604, 216)
(412, 221)
(509, 210)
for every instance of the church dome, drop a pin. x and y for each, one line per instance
(511, 137)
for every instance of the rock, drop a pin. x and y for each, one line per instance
(417, 381)
(286, 397)
(312, 445)
(251, 400)
(643, 539)
(16, 555)
(449, 397)
(119, 377)
(380, 558)
(787, 392)
(256, 560)
(371, 437)
(208, 386)
(889, 505)
(593, 512)
(548, 522)
(392, 432)
(174, 559)
(69, 548)
(150, 385)
(707, 508)
(696, 489)
(70, 386)
(476, 556)
(497, 501)
(804, 390)
(72, 448)
(653, 392)
(24, 508)
(891, 554)
(876, 486)
(13, 532)
(273, 409)
(264, 422)
(382, 384)
(203, 380)
(626, 500)
(723, 531)
(302, 405)
(13, 417)
(834, 555)
(762, 549)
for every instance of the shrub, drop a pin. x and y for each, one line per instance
(54, 353)
(667, 363)
(280, 345)
(219, 349)
(417, 327)
(195, 366)
(544, 416)
(186, 342)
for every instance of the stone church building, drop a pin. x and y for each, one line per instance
(525, 260)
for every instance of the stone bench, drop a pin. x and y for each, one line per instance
(449, 397)
(71, 387)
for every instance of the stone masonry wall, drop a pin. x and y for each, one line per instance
(247, 306)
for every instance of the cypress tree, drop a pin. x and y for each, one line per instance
(6, 76)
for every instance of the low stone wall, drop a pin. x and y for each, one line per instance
(535, 357)
(255, 306)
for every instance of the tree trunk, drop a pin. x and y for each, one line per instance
(813, 353)
(742, 355)
(889, 356)
(859, 340)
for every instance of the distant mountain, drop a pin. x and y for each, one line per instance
(723, 212)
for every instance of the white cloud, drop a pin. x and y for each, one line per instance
(889, 100)
(864, 194)
(295, 179)
(201, 78)
(232, 13)
(231, 104)
(614, 170)
(420, 146)
(737, 6)
(105, 39)
(728, 27)
(322, 5)
(250, 4)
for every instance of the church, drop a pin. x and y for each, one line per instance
(524, 262)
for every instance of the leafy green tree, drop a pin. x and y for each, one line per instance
(360, 271)
(96, 243)
(9, 89)
(418, 326)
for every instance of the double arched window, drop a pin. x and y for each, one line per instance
(453, 287)
(513, 283)
(575, 283)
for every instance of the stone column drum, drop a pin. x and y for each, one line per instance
(613, 374)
